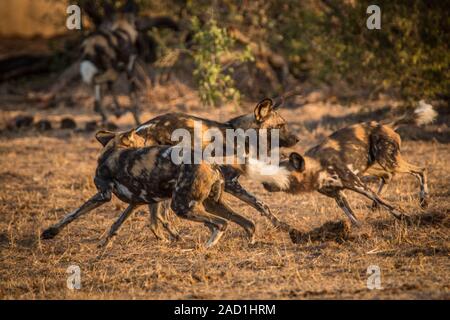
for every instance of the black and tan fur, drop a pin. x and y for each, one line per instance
(344, 158)
(141, 175)
(116, 47)
(108, 52)
(265, 116)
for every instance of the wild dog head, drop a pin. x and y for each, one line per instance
(302, 175)
(126, 139)
(266, 116)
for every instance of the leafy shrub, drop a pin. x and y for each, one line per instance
(214, 79)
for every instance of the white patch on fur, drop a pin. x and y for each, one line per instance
(354, 171)
(424, 113)
(145, 126)
(215, 237)
(131, 62)
(261, 171)
(167, 153)
(98, 96)
(192, 203)
(88, 70)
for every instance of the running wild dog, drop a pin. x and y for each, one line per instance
(342, 159)
(265, 116)
(141, 175)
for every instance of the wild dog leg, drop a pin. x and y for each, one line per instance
(342, 202)
(98, 102)
(94, 202)
(354, 183)
(239, 192)
(197, 213)
(118, 112)
(374, 197)
(165, 208)
(158, 217)
(222, 209)
(155, 226)
(133, 88)
(134, 101)
(383, 183)
(420, 174)
(116, 225)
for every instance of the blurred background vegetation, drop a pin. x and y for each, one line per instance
(255, 48)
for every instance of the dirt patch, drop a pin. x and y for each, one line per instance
(338, 231)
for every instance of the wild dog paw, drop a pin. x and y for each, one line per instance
(375, 206)
(176, 236)
(296, 235)
(49, 233)
(424, 202)
(103, 243)
(251, 238)
(406, 218)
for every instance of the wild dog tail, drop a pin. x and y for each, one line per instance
(422, 114)
(263, 172)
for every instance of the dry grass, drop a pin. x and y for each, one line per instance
(43, 176)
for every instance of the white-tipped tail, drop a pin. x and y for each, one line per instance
(88, 70)
(424, 113)
(261, 171)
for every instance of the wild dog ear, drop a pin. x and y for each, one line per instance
(104, 136)
(297, 161)
(263, 109)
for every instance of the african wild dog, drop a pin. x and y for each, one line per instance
(116, 48)
(106, 53)
(265, 116)
(342, 159)
(141, 175)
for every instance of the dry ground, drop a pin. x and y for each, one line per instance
(45, 175)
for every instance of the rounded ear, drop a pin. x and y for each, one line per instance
(297, 161)
(104, 136)
(263, 109)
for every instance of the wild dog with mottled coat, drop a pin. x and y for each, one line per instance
(114, 49)
(265, 116)
(141, 175)
(345, 157)
(108, 52)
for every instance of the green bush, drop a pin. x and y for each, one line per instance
(329, 41)
(214, 80)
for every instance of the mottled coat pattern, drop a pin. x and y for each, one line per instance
(265, 116)
(343, 159)
(105, 54)
(140, 175)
